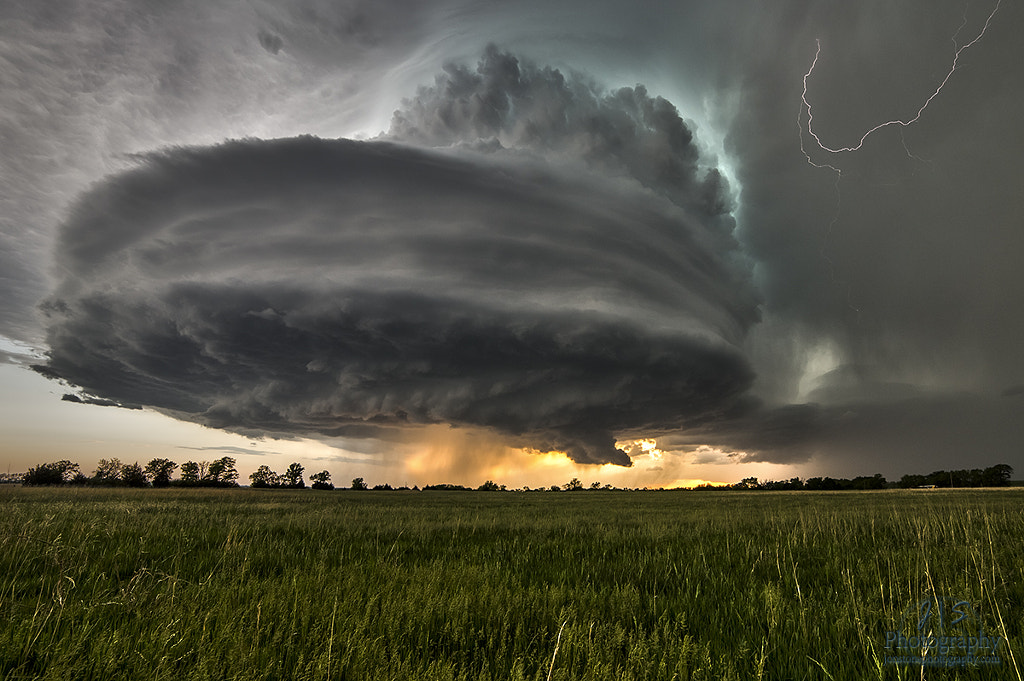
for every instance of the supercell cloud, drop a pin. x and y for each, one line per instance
(522, 252)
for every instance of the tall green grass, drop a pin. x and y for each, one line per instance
(253, 584)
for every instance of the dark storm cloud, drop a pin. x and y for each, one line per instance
(907, 268)
(21, 283)
(16, 353)
(508, 103)
(891, 294)
(96, 401)
(228, 449)
(750, 431)
(84, 83)
(270, 42)
(336, 288)
(950, 430)
(910, 263)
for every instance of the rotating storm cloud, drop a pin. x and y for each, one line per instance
(523, 252)
(196, 222)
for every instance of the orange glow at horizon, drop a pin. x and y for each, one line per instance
(442, 454)
(420, 456)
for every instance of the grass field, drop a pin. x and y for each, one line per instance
(265, 584)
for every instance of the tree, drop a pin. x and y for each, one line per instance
(108, 472)
(573, 485)
(56, 473)
(190, 473)
(264, 477)
(821, 484)
(595, 485)
(132, 475)
(159, 472)
(293, 476)
(358, 483)
(321, 480)
(997, 476)
(222, 472)
(910, 481)
(876, 481)
(489, 486)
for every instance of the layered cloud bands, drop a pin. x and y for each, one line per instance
(332, 288)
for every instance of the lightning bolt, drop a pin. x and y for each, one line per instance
(903, 123)
(807, 109)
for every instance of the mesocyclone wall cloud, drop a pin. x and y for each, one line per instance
(523, 252)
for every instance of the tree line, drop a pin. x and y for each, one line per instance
(156, 473)
(264, 477)
(993, 476)
(223, 473)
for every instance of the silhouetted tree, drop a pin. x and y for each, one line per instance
(875, 481)
(997, 476)
(293, 476)
(222, 472)
(489, 486)
(321, 480)
(264, 477)
(132, 475)
(781, 485)
(358, 484)
(973, 478)
(190, 473)
(382, 488)
(56, 473)
(108, 472)
(825, 484)
(573, 485)
(159, 471)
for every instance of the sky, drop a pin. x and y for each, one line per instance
(646, 244)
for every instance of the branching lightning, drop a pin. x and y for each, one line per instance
(902, 123)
